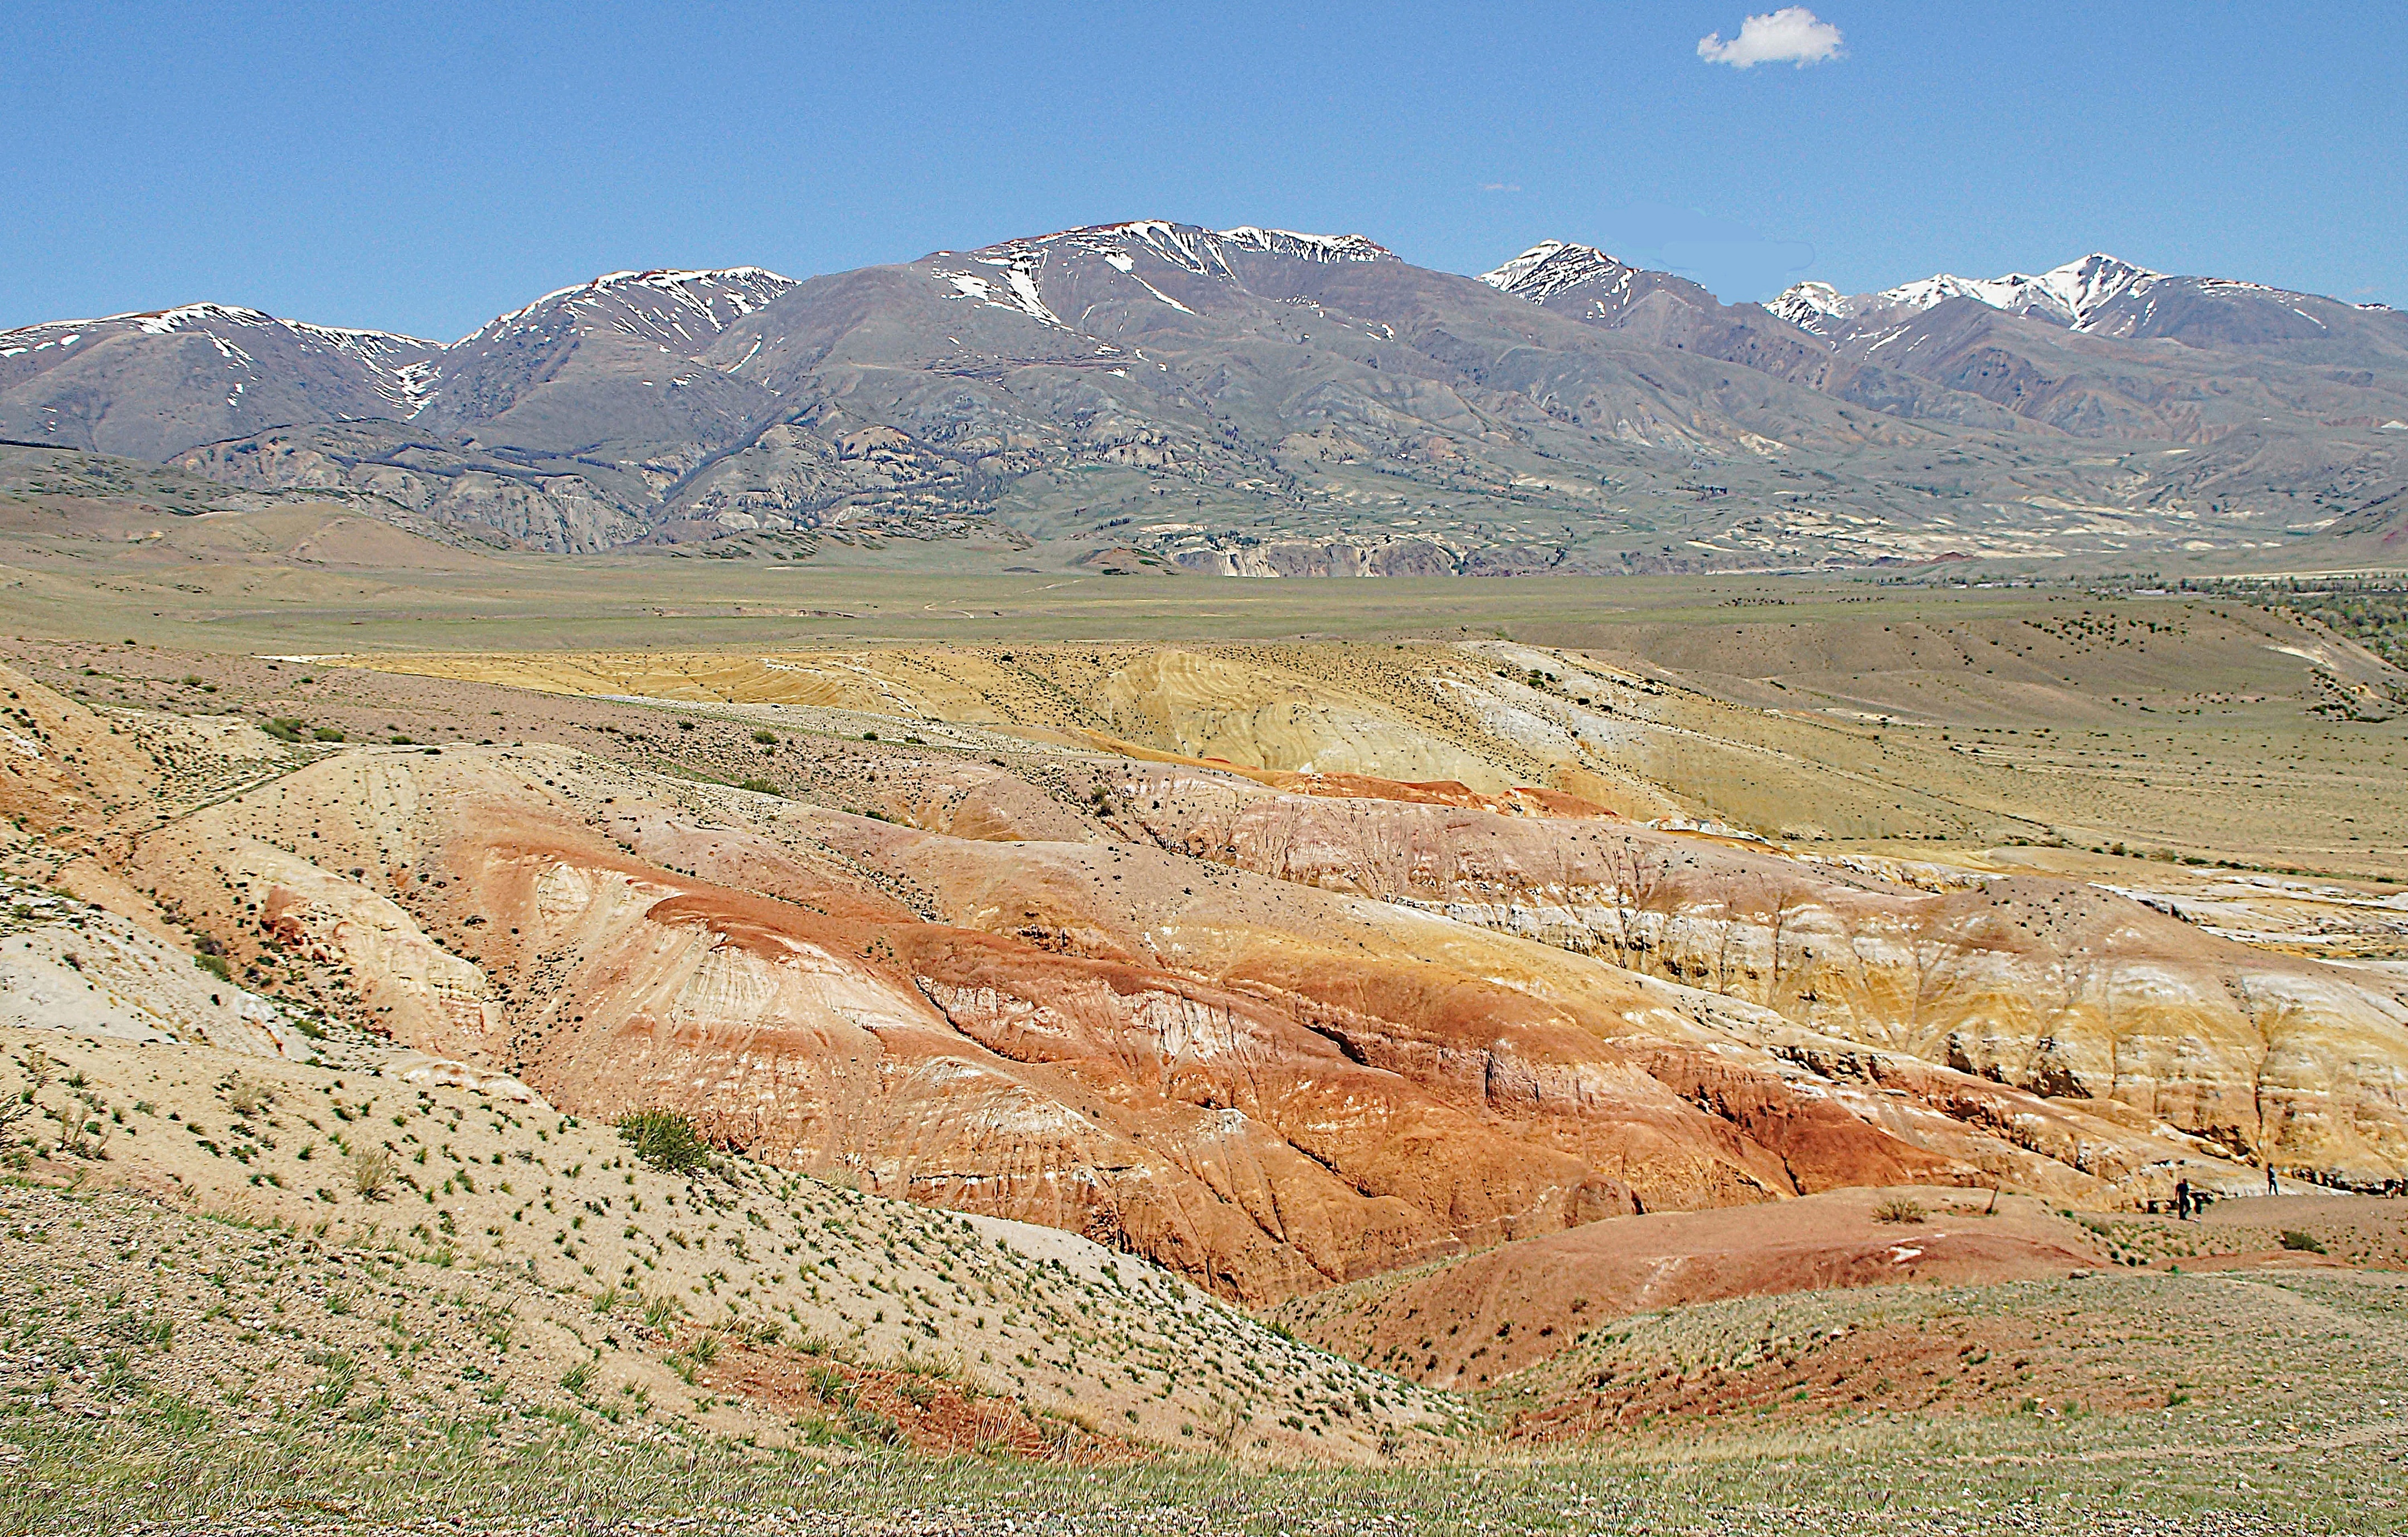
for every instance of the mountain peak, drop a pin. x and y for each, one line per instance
(1311, 248)
(683, 301)
(1191, 248)
(1810, 306)
(1551, 266)
(1196, 247)
(2070, 294)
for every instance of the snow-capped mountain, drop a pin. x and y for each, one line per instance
(672, 314)
(148, 382)
(1591, 284)
(1551, 266)
(232, 371)
(1811, 305)
(1271, 373)
(393, 361)
(1193, 246)
(2070, 295)
(684, 311)
(1014, 267)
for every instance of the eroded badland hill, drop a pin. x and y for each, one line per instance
(1648, 1058)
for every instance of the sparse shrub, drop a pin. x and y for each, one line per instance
(760, 787)
(579, 1377)
(2302, 1243)
(327, 733)
(1898, 1208)
(665, 1139)
(10, 1113)
(828, 1386)
(371, 1172)
(762, 1330)
(247, 1097)
(766, 737)
(215, 965)
(286, 728)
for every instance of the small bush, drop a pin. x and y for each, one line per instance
(215, 965)
(766, 736)
(828, 1385)
(1898, 1208)
(664, 1139)
(247, 1097)
(760, 787)
(371, 1172)
(286, 728)
(2302, 1243)
(327, 733)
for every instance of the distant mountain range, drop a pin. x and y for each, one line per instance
(1263, 402)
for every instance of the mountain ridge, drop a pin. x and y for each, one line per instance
(1273, 402)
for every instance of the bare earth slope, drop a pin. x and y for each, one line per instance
(1229, 1026)
(567, 1257)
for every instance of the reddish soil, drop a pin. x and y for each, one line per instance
(1977, 1363)
(934, 1414)
(1476, 1320)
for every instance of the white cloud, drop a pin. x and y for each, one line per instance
(1792, 34)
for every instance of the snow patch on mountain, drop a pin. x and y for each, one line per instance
(684, 308)
(1021, 265)
(398, 367)
(1123, 247)
(1310, 247)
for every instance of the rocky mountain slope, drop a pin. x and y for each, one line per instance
(150, 385)
(1263, 402)
(1665, 310)
(2248, 360)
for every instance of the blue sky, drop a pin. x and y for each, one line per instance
(422, 167)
